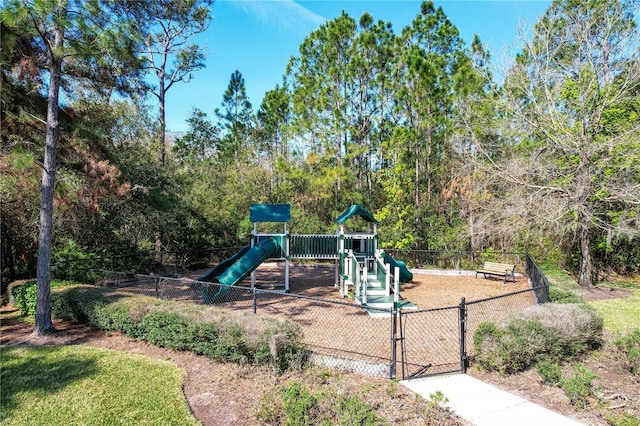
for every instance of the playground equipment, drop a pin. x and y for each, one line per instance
(360, 266)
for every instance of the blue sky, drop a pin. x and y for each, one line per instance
(258, 37)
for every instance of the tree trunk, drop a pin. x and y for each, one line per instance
(585, 278)
(163, 123)
(43, 324)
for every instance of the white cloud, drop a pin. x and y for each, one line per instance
(284, 15)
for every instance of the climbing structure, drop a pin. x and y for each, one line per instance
(361, 268)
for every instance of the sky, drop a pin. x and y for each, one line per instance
(258, 37)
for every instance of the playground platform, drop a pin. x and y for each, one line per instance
(482, 404)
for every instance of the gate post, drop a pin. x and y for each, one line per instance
(462, 320)
(394, 340)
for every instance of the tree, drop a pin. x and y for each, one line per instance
(200, 141)
(170, 51)
(433, 47)
(321, 87)
(571, 99)
(236, 117)
(473, 125)
(273, 117)
(64, 32)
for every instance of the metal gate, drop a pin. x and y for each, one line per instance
(432, 341)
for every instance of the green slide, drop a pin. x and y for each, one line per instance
(405, 274)
(238, 269)
(222, 266)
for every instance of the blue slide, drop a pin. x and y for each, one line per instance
(405, 273)
(238, 267)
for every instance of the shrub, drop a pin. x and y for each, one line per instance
(513, 348)
(550, 372)
(205, 330)
(624, 419)
(295, 404)
(578, 388)
(576, 327)
(564, 295)
(629, 347)
(543, 332)
(24, 295)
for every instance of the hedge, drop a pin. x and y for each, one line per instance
(211, 331)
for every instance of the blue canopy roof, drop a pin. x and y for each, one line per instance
(356, 210)
(270, 213)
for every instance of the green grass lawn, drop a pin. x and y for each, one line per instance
(65, 385)
(620, 315)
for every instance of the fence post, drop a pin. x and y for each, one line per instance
(255, 300)
(462, 319)
(157, 283)
(394, 340)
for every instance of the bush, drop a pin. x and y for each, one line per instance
(295, 404)
(576, 327)
(629, 347)
(550, 372)
(564, 295)
(23, 295)
(543, 332)
(578, 388)
(624, 419)
(513, 348)
(205, 330)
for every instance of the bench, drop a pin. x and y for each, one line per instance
(503, 270)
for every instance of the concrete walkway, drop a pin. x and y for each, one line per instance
(482, 404)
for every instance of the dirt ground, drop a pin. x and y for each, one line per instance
(229, 394)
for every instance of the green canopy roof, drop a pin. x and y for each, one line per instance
(356, 210)
(270, 213)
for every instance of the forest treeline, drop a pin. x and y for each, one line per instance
(412, 123)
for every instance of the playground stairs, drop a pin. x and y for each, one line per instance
(379, 298)
(375, 287)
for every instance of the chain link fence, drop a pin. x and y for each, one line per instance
(344, 335)
(339, 334)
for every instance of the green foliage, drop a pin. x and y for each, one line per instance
(514, 348)
(348, 125)
(564, 295)
(621, 255)
(578, 388)
(546, 333)
(629, 349)
(24, 295)
(550, 372)
(204, 330)
(624, 419)
(73, 260)
(295, 404)
(563, 288)
(355, 411)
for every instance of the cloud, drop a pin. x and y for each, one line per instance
(283, 15)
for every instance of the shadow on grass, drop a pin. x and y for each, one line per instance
(42, 370)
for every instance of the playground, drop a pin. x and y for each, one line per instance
(427, 289)
(341, 290)
(351, 262)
